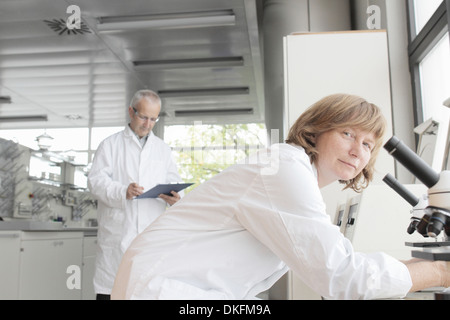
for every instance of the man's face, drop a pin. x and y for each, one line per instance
(143, 117)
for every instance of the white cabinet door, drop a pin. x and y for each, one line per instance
(89, 253)
(50, 266)
(9, 264)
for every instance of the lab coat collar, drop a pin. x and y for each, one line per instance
(303, 150)
(130, 133)
(314, 170)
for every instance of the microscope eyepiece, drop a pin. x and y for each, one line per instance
(401, 190)
(411, 161)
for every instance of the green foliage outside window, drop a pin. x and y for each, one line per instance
(202, 151)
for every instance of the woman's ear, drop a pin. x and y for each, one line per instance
(312, 139)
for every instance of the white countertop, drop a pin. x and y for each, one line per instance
(30, 225)
(34, 225)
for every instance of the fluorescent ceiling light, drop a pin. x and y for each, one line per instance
(5, 99)
(168, 21)
(23, 118)
(203, 92)
(189, 63)
(216, 112)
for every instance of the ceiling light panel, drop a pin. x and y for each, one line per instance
(23, 118)
(212, 112)
(168, 21)
(5, 99)
(189, 63)
(57, 59)
(64, 71)
(203, 92)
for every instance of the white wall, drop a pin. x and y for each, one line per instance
(402, 102)
(354, 62)
(394, 20)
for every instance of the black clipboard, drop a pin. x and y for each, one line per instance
(164, 189)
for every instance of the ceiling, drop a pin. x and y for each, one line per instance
(86, 76)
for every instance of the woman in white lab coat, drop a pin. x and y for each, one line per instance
(237, 234)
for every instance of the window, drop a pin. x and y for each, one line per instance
(435, 80)
(435, 89)
(72, 142)
(101, 133)
(429, 60)
(423, 10)
(201, 151)
(98, 134)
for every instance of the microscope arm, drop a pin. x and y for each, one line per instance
(418, 204)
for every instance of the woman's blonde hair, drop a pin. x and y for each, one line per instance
(339, 111)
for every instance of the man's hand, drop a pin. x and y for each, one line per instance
(171, 200)
(134, 190)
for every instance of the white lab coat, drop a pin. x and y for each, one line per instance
(120, 160)
(237, 234)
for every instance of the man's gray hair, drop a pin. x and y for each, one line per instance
(147, 94)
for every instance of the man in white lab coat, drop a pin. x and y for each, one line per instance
(126, 164)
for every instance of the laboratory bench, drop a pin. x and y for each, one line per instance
(46, 260)
(36, 225)
(50, 260)
(428, 294)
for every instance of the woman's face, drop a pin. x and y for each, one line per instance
(343, 154)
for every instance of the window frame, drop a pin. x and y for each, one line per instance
(419, 45)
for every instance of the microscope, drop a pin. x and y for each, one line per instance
(432, 217)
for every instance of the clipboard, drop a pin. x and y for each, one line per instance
(163, 188)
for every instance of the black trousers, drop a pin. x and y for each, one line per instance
(103, 296)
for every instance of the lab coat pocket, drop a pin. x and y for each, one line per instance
(117, 215)
(115, 219)
(111, 227)
(177, 290)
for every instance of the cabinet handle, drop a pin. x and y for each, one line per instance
(58, 243)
